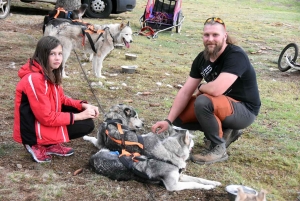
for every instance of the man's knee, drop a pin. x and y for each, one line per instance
(203, 103)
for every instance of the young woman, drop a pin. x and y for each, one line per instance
(44, 117)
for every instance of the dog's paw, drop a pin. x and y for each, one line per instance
(208, 187)
(86, 138)
(182, 165)
(216, 183)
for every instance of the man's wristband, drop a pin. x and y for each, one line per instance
(169, 122)
(199, 86)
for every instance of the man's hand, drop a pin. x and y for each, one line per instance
(160, 127)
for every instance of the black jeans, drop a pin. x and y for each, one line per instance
(212, 126)
(79, 128)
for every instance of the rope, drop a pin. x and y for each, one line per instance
(92, 90)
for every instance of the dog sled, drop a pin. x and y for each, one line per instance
(161, 15)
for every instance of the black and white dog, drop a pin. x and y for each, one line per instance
(65, 14)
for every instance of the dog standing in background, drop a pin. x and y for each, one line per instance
(64, 14)
(72, 37)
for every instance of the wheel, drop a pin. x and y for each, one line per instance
(98, 8)
(179, 19)
(4, 8)
(290, 52)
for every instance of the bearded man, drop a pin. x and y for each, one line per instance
(224, 103)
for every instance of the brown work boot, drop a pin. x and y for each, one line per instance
(230, 135)
(217, 154)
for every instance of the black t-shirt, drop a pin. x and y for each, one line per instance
(235, 61)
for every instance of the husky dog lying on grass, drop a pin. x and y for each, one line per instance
(152, 157)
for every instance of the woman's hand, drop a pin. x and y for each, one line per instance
(89, 112)
(160, 127)
(91, 107)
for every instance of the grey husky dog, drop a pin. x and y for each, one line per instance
(72, 37)
(118, 114)
(162, 158)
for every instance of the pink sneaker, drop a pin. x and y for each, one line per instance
(38, 153)
(59, 149)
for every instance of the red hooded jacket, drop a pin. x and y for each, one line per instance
(38, 105)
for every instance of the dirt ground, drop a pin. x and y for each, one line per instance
(23, 179)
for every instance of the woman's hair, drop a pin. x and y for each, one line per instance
(41, 55)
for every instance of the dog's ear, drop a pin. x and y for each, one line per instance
(127, 112)
(187, 140)
(114, 108)
(83, 8)
(128, 24)
(122, 25)
(81, 11)
(171, 131)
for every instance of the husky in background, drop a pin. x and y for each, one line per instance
(99, 46)
(64, 14)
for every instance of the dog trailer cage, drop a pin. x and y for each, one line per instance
(162, 15)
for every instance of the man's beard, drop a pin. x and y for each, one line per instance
(212, 53)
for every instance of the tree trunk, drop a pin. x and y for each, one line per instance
(68, 4)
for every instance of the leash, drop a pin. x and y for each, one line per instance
(92, 90)
(147, 31)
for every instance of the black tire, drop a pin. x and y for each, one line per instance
(290, 51)
(5, 5)
(179, 18)
(98, 8)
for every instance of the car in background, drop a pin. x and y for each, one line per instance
(96, 8)
(103, 8)
(4, 8)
